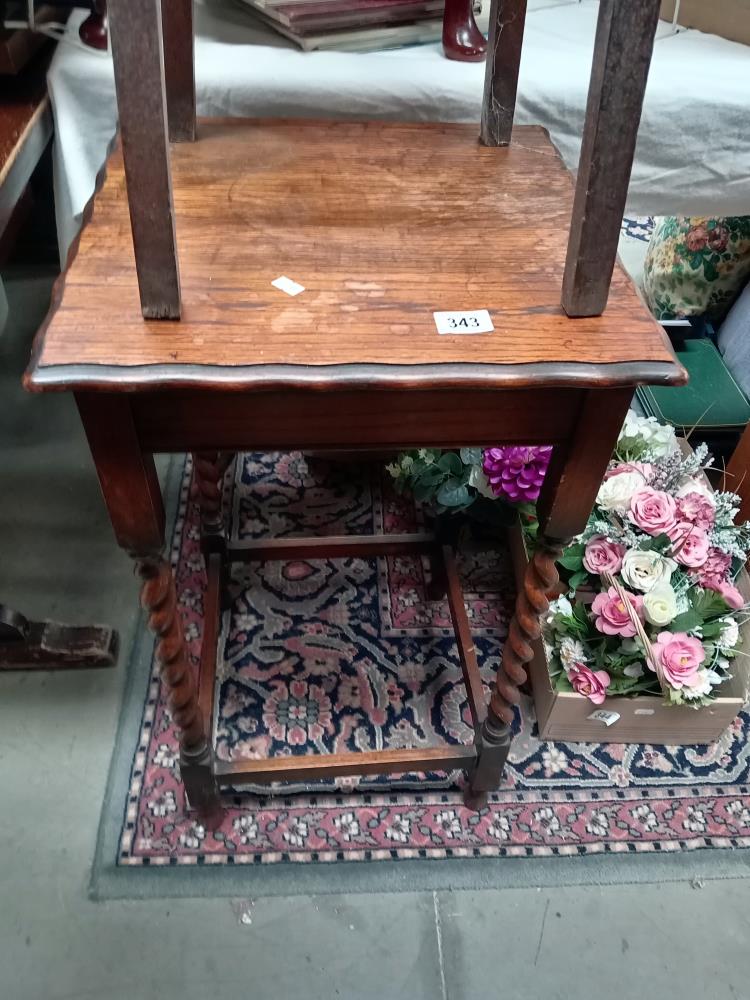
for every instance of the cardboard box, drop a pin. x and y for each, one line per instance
(727, 18)
(564, 715)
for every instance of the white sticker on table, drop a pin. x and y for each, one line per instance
(285, 284)
(608, 718)
(466, 321)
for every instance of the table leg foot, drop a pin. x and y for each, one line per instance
(196, 771)
(493, 743)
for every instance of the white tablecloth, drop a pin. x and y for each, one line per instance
(693, 154)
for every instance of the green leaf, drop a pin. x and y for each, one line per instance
(687, 621)
(430, 474)
(453, 493)
(658, 544)
(577, 579)
(709, 603)
(572, 557)
(709, 271)
(423, 490)
(471, 456)
(450, 462)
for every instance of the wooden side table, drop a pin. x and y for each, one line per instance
(383, 225)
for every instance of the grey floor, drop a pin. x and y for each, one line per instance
(57, 558)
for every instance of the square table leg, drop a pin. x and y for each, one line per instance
(131, 492)
(570, 487)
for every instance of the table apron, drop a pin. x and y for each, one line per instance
(237, 421)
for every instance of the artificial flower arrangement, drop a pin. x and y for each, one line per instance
(651, 603)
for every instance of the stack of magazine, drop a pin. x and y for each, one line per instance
(352, 25)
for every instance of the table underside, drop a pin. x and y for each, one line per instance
(383, 224)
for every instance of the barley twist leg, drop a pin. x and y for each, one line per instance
(159, 600)
(494, 738)
(208, 471)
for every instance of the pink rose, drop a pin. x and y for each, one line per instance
(612, 616)
(696, 238)
(602, 556)
(690, 545)
(653, 511)
(730, 594)
(592, 684)
(697, 509)
(679, 656)
(644, 468)
(714, 569)
(718, 237)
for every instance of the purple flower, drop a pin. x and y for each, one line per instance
(516, 472)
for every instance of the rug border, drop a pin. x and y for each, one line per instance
(109, 880)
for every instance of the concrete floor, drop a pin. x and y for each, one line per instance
(58, 558)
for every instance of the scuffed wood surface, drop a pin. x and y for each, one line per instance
(382, 224)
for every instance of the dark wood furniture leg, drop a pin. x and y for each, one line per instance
(507, 19)
(131, 492)
(179, 68)
(208, 474)
(136, 38)
(622, 55)
(570, 488)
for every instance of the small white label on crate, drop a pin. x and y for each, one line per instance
(471, 321)
(285, 284)
(643, 711)
(608, 718)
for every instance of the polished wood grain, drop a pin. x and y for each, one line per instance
(374, 419)
(136, 41)
(579, 463)
(507, 19)
(127, 475)
(622, 55)
(383, 224)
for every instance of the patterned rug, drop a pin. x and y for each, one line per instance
(347, 654)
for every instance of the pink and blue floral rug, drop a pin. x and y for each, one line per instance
(347, 654)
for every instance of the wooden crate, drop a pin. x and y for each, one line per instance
(565, 715)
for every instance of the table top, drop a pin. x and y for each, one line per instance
(384, 225)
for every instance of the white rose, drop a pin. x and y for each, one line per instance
(645, 569)
(691, 485)
(615, 492)
(480, 482)
(660, 604)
